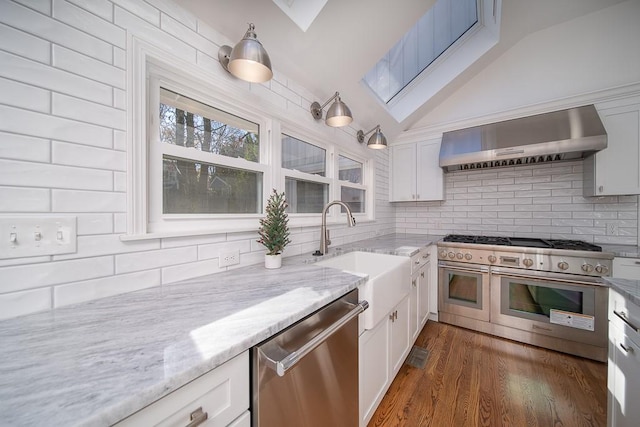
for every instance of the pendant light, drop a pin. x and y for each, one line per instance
(247, 60)
(377, 141)
(337, 115)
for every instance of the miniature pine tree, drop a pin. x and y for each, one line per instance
(274, 228)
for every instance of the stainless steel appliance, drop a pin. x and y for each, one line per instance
(308, 374)
(538, 291)
(559, 135)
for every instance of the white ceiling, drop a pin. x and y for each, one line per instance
(349, 36)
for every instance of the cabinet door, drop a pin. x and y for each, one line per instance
(222, 394)
(374, 369)
(423, 295)
(626, 268)
(399, 335)
(414, 307)
(403, 173)
(623, 380)
(429, 174)
(617, 167)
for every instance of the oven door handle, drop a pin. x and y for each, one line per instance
(283, 365)
(478, 269)
(543, 275)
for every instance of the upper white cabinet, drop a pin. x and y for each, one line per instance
(415, 174)
(616, 169)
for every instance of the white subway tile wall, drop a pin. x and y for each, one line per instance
(63, 121)
(538, 201)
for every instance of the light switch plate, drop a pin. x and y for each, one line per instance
(37, 235)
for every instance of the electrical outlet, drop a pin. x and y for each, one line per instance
(612, 229)
(229, 258)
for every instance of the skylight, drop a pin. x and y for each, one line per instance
(444, 42)
(435, 32)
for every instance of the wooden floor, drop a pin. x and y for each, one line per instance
(473, 379)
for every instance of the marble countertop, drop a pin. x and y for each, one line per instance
(629, 289)
(625, 251)
(98, 362)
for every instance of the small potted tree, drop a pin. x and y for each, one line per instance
(274, 230)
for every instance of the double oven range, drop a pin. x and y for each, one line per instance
(542, 292)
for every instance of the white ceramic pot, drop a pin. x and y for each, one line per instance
(273, 261)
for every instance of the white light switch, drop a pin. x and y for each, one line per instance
(32, 235)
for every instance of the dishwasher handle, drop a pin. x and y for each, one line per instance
(289, 361)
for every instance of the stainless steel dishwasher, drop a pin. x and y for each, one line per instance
(307, 375)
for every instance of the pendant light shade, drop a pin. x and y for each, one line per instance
(247, 60)
(377, 141)
(337, 115)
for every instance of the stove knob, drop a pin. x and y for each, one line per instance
(528, 262)
(587, 268)
(492, 259)
(602, 269)
(459, 255)
(563, 265)
(452, 255)
(468, 257)
(443, 254)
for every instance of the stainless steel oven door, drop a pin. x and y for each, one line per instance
(560, 305)
(464, 290)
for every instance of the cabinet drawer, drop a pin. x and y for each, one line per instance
(626, 268)
(624, 314)
(222, 393)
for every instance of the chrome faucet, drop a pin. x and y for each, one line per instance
(324, 233)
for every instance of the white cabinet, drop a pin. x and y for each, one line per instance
(382, 350)
(616, 169)
(623, 379)
(222, 394)
(415, 173)
(626, 268)
(420, 291)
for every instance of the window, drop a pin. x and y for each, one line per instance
(305, 169)
(204, 157)
(352, 190)
(191, 186)
(206, 162)
(445, 41)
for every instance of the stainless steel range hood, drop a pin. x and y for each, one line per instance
(561, 135)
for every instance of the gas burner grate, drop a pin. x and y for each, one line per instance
(574, 245)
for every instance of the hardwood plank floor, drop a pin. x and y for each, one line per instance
(473, 379)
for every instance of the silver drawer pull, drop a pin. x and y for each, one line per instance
(626, 349)
(637, 262)
(197, 417)
(623, 316)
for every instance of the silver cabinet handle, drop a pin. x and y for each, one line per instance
(422, 274)
(637, 262)
(413, 282)
(289, 361)
(626, 349)
(623, 316)
(197, 417)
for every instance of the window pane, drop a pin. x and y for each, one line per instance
(305, 196)
(349, 170)
(302, 156)
(433, 34)
(189, 123)
(201, 188)
(354, 198)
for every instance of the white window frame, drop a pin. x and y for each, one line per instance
(365, 179)
(150, 67)
(153, 68)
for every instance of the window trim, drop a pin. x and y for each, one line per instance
(144, 56)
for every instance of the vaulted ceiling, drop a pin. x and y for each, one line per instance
(349, 36)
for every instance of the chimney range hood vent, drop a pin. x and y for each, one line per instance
(561, 135)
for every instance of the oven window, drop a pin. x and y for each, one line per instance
(464, 288)
(536, 299)
(541, 299)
